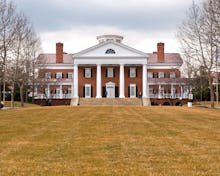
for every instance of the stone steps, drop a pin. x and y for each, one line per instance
(110, 101)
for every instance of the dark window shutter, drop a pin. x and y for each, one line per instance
(62, 75)
(84, 90)
(128, 72)
(91, 91)
(84, 72)
(103, 91)
(51, 91)
(113, 72)
(106, 72)
(55, 75)
(136, 72)
(67, 75)
(55, 91)
(128, 91)
(91, 72)
(136, 91)
(116, 91)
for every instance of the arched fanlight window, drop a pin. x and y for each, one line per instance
(110, 51)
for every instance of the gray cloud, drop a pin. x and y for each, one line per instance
(51, 15)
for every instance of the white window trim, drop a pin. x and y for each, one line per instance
(47, 75)
(110, 72)
(172, 75)
(69, 91)
(161, 75)
(70, 73)
(88, 73)
(132, 72)
(58, 90)
(59, 75)
(150, 74)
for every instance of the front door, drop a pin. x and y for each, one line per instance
(110, 90)
(132, 90)
(87, 90)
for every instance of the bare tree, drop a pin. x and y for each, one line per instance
(18, 44)
(198, 35)
(7, 31)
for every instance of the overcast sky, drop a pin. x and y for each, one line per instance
(76, 23)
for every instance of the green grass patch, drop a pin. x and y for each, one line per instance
(110, 141)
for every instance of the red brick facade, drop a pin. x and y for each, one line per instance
(59, 53)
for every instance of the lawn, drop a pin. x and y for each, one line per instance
(110, 141)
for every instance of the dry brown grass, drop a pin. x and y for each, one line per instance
(110, 141)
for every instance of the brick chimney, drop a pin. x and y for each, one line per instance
(59, 52)
(160, 52)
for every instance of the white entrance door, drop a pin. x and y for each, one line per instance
(88, 91)
(132, 90)
(110, 90)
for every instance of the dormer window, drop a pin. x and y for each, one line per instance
(110, 51)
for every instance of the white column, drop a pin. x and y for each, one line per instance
(61, 91)
(98, 82)
(159, 92)
(122, 82)
(181, 91)
(48, 91)
(75, 81)
(72, 90)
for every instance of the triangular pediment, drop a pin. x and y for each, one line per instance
(110, 49)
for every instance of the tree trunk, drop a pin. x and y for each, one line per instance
(212, 93)
(0, 91)
(4, 87)
(26, 96)
(12, 95)
(21, 94)
(33, 87)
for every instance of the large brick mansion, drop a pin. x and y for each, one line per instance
(110, 70)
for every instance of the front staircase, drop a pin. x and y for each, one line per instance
(110, 101)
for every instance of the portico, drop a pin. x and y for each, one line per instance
(121, 63)
(115, 85)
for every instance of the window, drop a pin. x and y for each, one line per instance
(151, 91)
(47, 75)
(161, 75)
(110, 72)
(132, 72)
(70, 75)
(58, 91)
(172, 74)
(155, 75)
(69, 91)
(59, 75)
(110, 51)
(161, 92)
(47, 92)
(149, 74)
(88, 73)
